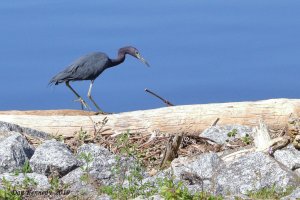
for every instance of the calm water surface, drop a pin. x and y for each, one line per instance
(199, 51)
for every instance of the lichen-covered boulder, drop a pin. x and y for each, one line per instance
(253, 172)
(7, 129)
(14, 151)
(289, 156)
(34, 181)
(197, 171)
(79, 186)
(293, 127)
(96, 169)
(53, 156)
(102, 161)
(221, 134)
(295, 195)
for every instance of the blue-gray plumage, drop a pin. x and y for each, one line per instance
(89, 67)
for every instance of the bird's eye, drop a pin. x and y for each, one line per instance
(137, 53)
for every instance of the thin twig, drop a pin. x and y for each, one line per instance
(199, 137)
(151, 155)
(164, 100)
(215, 122)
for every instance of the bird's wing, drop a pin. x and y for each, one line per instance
(90, 67)
(87, 67)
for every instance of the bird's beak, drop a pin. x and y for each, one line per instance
(143, 60)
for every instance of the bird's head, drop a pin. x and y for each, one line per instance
(135, 53)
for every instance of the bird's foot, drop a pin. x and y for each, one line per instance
(83, 103)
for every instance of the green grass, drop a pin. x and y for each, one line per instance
(25, 169)
(171, 190)
(8, 191)
(270, 193)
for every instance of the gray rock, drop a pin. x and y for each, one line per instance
(53, 156)
(237, 197)
(153, 197)
(72, 177)
(41, 181)
(103, 160)
(298, 171)
(204, 165)
(219, 133)
(95, 150)
(295, 195)
(197, 170)
(4, 135)
(253, 172)
(83, 190)
(167, 173)
(6, 128)
(289, 156)
(14, 151)
(98, 170)
(78, 186)
(103, 197)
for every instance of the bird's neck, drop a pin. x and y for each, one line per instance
(118, 60)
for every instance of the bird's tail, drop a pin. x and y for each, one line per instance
(59, 78)
(53, 81)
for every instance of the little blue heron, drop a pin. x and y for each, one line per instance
(89, 67)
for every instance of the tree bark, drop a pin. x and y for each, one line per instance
(191, 119)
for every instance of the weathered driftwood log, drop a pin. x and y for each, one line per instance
(191, 119)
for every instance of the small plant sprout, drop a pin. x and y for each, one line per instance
(87, 159)
(232, 133)
(98, 128)
(82, 135)
(59, 137)
(28, 183)
(25, 169)
(246, 139)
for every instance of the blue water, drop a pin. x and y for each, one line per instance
(199, 51)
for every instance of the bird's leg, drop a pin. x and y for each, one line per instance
(83, 103)
(91, 98)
